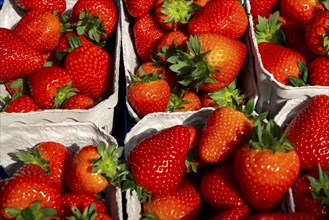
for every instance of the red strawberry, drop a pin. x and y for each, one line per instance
(30, 184)
(105, 10)
(262, 7)
(184, 101)
(90, 212)
(225, 17)
(266, 167)
(147, 33)
(157, 163)
(50, 87)
(31, 28)
(309, 132)
(51, 156)
(201, 3)
(91, 70)
(23, 103)
(237, 213)
(16, 86)
(52, 6)
(184, 202)
(220, 188)
(78, 101)
(283, 216)
(18, 58)
(319, 72)
(137, 8)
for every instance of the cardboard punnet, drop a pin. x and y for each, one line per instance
(101, 115)
(272, 94)
(71, 134)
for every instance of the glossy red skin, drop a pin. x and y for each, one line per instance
(147, 34)
(63, 44)
(309, 132)
(226, 17)
(40, 29)
(106, 10)
(22, 104)
(44, 84)
(242, 212)
(29, 184)
(91, 70)
(48, 5)
(79, 101)
(138, 8)
(262, 7)
(157, 163)
(283, 216)
(18, 58)
(318, 71)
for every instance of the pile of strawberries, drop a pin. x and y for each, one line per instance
(187, 60)
(51, 59)
(56, 182)
(292, 38)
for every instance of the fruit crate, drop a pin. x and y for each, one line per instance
(101, 114)
(71, 134)
(272, 95)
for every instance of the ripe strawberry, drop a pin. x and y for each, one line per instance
(51, 156)
(137, 8)
(93, 168)
(220, 188)
(283, 216)
(23, 103)
(90, 212)
(266, 167)
(262, 7)
(183, 101)
(52, 6)
(319, 72)
(30, 184)
(193, 161)
(31, 28)
(106, 12)
(16, 86)
(310, 193)
(50, 87)
(280, 61)
(184, 202)
(225, 17)
(300, 11)
(309, 132)
(147, 33)
(91, 70)
(157, 163)
(238, 213)
(18, 58)
(148, 93)
(78, 101)
(222, 134)
(214, 61)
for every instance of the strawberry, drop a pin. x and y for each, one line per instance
(318, 70)
(183, 101)
(52, 6)
(90, 212)
(92, 168)
(51, 156)
(78, 101)
(50, 87)
(157, 163)
(30, 183)
(16, 86)
(106, 13)
(310, 193)
(309, 132)
(184, 202)
(201, 3)
(148, 93)
(211, 63)
(174, 14)
(225, 17)
(222, 134)
(23, 103)
(300, 11)
(91, 70)
(31, 28)
(137, 8)
(266, 167)
(281, 61)
(262, 7)
(220, 188)
(147, 33)
(238, 213)
(18, 58)
(283, 215)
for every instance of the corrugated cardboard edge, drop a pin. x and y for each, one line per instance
(101, 115)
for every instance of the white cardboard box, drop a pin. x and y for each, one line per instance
(71, 134)
(101, 115)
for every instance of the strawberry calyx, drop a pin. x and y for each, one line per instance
(303, 72)
(269, 29)
(74, 42)
(90, 212)
(325, 44)
(191, 159)
(142, 194)
(19, 87)
(320, 187)
(148, 216)
(63, 94)
(178, 11)
(176, 100)
(325, 3)
(33, 156)
(143, 77)
(109, 164)
(34, 211)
